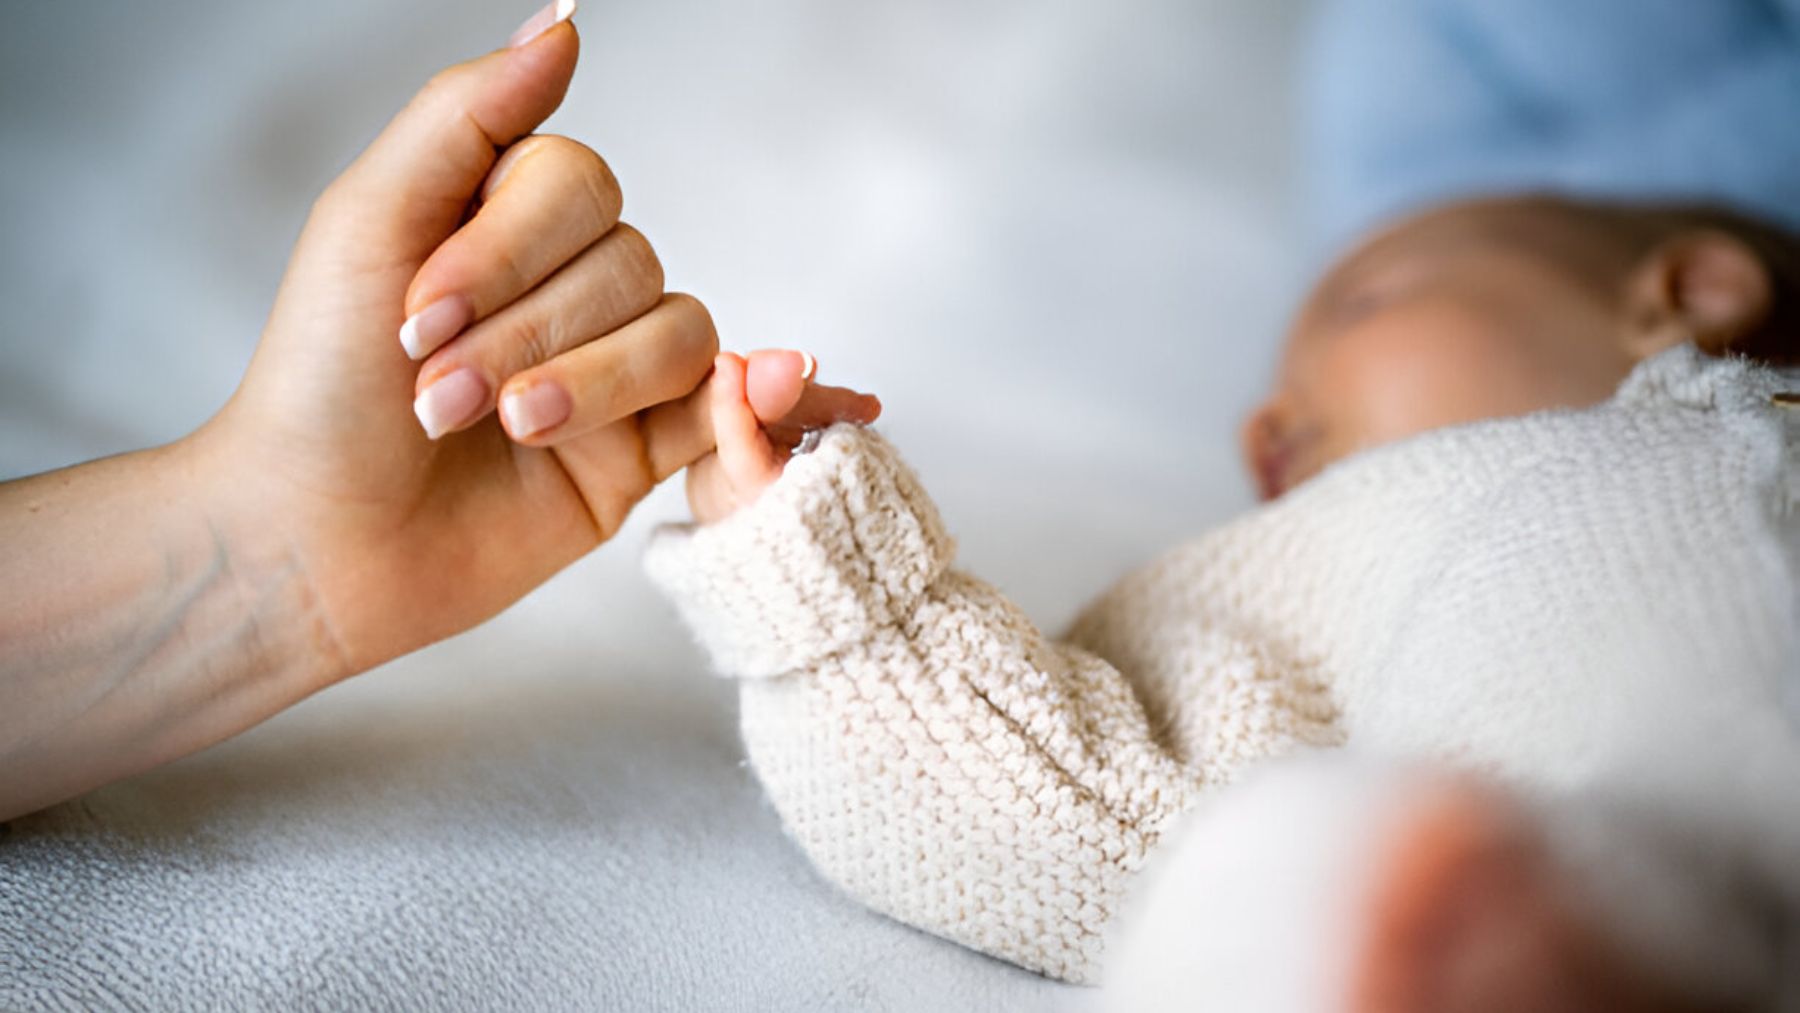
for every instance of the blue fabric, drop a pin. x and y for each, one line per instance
(1414, 102)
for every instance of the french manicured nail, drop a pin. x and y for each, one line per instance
(537, 408)
(553, 14)
(457, 398)
(811, 368)
(425, 331)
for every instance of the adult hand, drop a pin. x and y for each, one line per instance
(392, 483)
(350, 503)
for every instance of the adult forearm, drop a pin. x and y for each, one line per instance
(146, 611)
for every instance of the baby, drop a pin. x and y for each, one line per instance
(1529, 465)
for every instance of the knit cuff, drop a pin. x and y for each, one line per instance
(842, 544)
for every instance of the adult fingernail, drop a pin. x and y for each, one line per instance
(454, 400)
(437, 323)
(552, 14)
(811, 366)
(535, 409)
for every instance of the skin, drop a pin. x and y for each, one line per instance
(154, 603)
(750, 455)
(1491, 309)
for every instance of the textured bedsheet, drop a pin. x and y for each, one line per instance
(1056, 244)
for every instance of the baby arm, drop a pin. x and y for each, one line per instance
(937, 757)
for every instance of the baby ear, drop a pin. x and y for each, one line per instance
(1705, 286)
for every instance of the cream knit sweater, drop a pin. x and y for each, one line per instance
(1565, 600)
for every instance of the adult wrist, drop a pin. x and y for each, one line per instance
(260, 545)
(149, 612)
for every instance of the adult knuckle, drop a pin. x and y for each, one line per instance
(524, 339)
(527, 147)
(690, 323)
(329, 201)
(514, 264)
(441, 89)
(684, 310)
(637, 260)
(552, 152)
(600, 186)
(585, 171)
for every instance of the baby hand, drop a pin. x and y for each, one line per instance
(761, 407)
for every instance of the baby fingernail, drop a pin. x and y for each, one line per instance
(535, 409)
(437, 323)
(454, 400)
(552, 14)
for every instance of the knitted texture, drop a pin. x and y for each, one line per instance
(936, 756)
(1571, 600)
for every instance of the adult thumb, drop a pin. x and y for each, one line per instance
(412, 186)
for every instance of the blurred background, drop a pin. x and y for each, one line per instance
(1055, 238)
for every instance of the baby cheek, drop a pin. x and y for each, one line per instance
(1426, 367)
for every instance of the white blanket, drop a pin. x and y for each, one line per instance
(1056, 244)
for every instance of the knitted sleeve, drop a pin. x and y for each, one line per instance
(934, 754)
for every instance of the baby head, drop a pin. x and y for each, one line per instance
(1504, 306)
